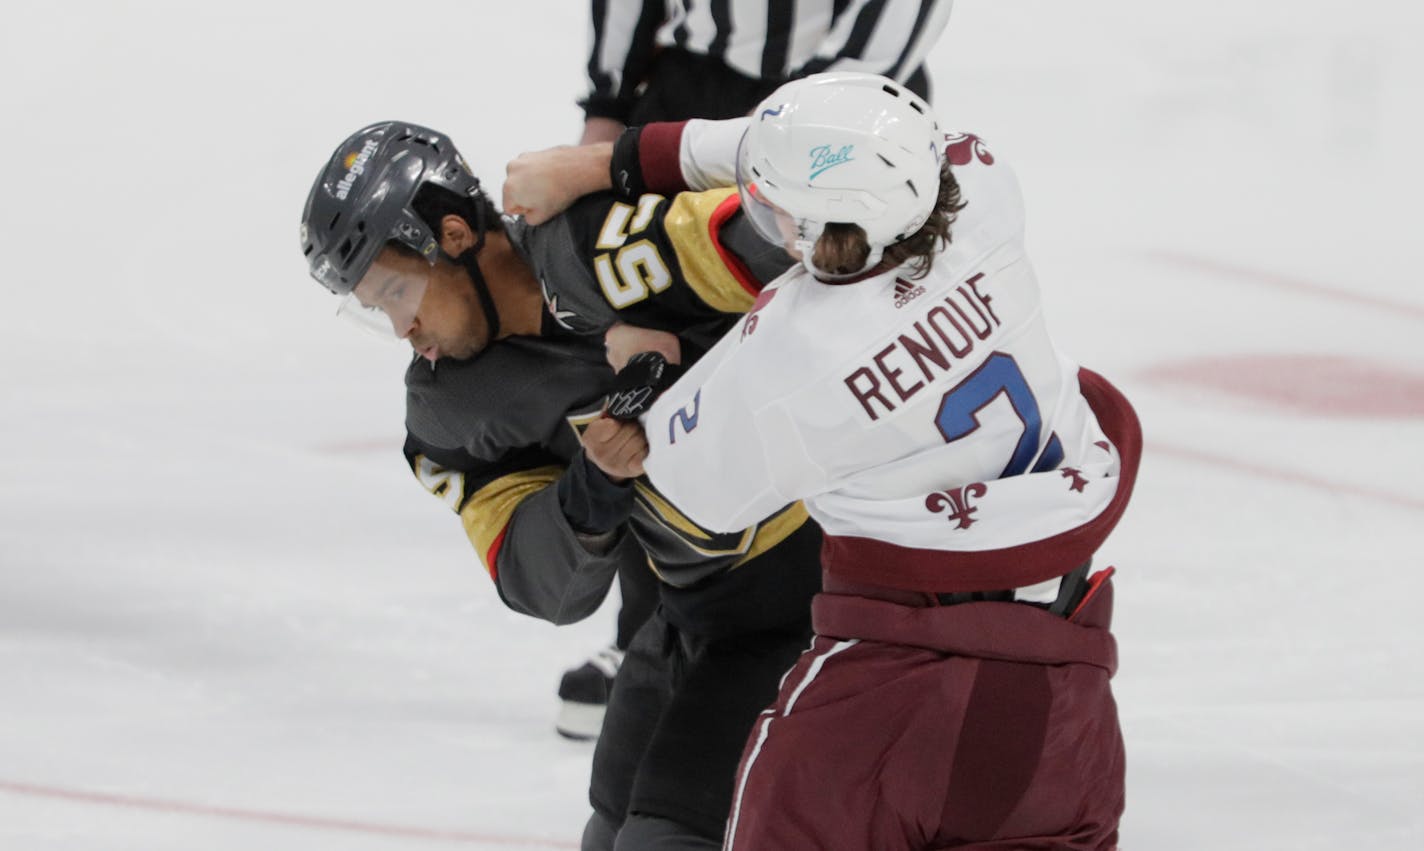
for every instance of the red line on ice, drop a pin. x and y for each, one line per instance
(288, 819)
(1285, 282)
(1332, 486)
(1316, 384)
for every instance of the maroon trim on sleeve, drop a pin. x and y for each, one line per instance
(734, 264)
(660, 158)
(882, 563)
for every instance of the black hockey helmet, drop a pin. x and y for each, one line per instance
(362, 200)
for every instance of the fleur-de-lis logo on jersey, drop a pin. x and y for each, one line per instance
(960, 148)
(957, 499)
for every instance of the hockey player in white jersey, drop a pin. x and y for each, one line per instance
(902, 382)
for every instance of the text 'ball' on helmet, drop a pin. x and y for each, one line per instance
(844, 147)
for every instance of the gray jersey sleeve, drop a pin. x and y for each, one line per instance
(552, 571)
(492, 438)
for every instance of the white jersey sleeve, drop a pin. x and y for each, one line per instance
(708, 152)
(707, 448)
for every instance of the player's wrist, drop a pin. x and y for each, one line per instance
(590, 173)
(597, 130)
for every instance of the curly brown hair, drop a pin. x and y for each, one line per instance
(842, 248)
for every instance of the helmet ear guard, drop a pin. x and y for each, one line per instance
(411, 232)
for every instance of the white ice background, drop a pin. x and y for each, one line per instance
(230, 618)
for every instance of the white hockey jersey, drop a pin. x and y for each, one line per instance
(932, 416)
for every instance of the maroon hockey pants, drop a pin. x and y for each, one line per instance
(987, 725)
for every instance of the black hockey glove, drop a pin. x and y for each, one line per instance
(639, 384)
(624, 169)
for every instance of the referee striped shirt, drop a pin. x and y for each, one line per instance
(760, 39)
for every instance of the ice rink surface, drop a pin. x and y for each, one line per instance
(230, 619)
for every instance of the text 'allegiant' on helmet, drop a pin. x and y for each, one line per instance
(362, 199)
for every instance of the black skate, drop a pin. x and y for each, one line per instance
(583, 695)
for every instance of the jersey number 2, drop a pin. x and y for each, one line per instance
(961, 407)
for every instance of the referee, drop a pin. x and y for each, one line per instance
(670, 60)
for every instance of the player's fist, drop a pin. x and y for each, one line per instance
(622, 341)
(617, 448)
(539, 185)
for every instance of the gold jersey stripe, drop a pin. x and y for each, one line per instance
(751, 543)
(681, 523)
(486, 514)
(770, 533)
(687, 225)
(774, 530)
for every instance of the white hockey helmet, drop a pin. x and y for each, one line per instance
(840, 147)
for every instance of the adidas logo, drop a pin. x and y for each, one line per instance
(906, 292)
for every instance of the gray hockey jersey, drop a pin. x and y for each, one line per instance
(492, 436)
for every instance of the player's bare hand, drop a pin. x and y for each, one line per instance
(616, 448)
(622, 341)
(539, 185)
(597, 129)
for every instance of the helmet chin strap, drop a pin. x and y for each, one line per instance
(469, 259)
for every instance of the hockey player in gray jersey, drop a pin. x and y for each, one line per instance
(505, 425)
